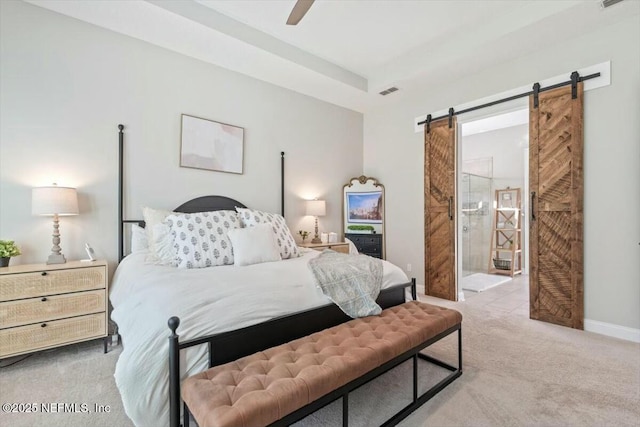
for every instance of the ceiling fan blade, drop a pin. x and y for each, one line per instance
(299, 10)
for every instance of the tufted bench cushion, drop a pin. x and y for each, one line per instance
(259, 389)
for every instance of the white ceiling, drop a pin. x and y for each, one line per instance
(360, 35)
(346, 51)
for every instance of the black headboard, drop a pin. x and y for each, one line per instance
(209, 204)
(199, 204)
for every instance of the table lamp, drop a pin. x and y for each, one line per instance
(54, 201)
(316, 208)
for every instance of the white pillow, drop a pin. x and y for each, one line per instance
(139, 240)
(353, 250)
(254, 245)
(284, 239)
(164, 244)
(201, 239)
(153, 217)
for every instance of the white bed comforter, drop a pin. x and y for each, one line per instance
(208, 300)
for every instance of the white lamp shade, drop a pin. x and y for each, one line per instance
(316, 207)
(54, 200)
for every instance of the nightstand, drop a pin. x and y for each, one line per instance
(45, 306)
(342, 247)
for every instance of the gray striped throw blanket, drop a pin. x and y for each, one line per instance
(353, 282)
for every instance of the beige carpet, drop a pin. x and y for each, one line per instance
(517, 372)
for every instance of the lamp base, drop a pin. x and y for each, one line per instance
(316, 238)
(56, 259)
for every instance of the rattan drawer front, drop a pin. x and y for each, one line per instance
(36, 337)
(41, 283)
(34, 310)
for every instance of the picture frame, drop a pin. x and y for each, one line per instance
(210, 145)
(364, 207)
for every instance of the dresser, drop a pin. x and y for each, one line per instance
(367, 244)
(45, 306)
(342, 247)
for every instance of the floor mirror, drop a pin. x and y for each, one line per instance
(363, 215)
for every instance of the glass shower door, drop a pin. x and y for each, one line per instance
(476, 223)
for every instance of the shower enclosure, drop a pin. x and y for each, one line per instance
(477, 206)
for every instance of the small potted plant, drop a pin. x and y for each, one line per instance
(8, 249)
(362, 228)
(304, 234)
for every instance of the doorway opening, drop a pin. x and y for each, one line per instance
(492, 204)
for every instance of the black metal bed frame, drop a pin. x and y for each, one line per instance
(199, 204)
(228, 346)
(232, 345)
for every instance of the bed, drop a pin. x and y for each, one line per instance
(208, 301)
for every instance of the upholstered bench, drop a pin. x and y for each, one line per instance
(285, 383)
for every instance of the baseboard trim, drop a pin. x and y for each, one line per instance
(611, 330)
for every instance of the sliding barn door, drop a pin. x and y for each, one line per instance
(556, 185)
(439, 209)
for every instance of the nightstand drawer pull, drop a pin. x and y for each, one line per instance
(43, 299)
(44, 273)
(43, 325)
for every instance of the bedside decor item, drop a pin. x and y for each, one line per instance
(361, 228)
(304, 234)
(8, 249)
(210, 145)
(316, 208)
(54, 201)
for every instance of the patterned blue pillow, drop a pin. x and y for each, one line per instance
(201, 239)
(286, 242)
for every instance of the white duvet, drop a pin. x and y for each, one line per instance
(207, 300)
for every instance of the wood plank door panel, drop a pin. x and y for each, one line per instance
(439, 200)
(556, 185)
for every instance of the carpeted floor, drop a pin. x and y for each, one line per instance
(517, 372)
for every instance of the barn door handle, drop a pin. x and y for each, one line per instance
(533, 212)
(450, 208)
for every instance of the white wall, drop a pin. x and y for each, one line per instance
(393, 153)
(65, 86)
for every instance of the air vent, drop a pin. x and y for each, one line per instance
(388, 91)
(607, 3)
